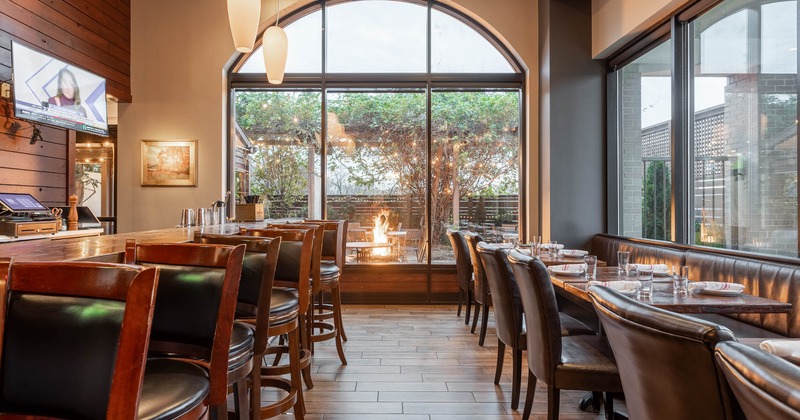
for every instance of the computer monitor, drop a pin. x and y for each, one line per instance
(86, 219)
(20, 202)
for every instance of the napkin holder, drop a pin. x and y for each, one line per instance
(253, 212)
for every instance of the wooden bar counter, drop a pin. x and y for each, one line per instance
(107, 248)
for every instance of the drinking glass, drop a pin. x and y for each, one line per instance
(622, 261)
(680, 280)
(553, 249)
(645, 277)
(591, 266)
(536, 241)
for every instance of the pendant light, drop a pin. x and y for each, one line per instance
(275, 46)
(243, 15)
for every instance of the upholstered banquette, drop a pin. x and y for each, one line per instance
(768, 278)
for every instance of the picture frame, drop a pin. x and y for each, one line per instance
(169, 163)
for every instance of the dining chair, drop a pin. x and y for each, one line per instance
(665, 359)
(193, 320)
(765, 385)
(508, 312)
(292, 275)
(268, 314)
(577, 362)
(483, 298)
(463, 272)
(73, 338)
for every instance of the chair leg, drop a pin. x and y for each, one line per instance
(255, 388)
(609, 404)
(336, 299)
(553, 397)
(305, 343)
(516, 381)
(529, 394)
(295, 374)
(460, 300)
(475, 318)
(241, 410)
(501, 353)
(338, 315)
(484, 321)
(469, 305)
(596, 397)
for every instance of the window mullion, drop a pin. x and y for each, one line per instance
(679, 133)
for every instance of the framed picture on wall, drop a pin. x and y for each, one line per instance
(169, 163)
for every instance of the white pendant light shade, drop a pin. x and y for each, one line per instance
(275, 46)
(243, 16)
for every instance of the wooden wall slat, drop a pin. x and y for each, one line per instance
(32, 162)
(59, 26)
(96, 19)
(23, 178)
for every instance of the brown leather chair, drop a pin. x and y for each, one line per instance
(580, 362)
(765, 385)
(463, 272)
(665, 359)
(508, 312)
(74, 340)
(257, 308)
(193, 319)
(293, 275)
(483, 298)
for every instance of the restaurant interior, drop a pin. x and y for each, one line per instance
(399, 209)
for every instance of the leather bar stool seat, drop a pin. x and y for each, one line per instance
(171, 389)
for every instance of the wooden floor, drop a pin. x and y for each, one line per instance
(418, 363)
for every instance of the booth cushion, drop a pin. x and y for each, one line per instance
(767, 279)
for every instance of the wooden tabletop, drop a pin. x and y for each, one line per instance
(574, 288)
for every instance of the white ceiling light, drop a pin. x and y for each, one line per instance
(275, 46)
(243, 16)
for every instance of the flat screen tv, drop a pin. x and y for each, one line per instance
(52, 92)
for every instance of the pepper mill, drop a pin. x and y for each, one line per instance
(72, 217)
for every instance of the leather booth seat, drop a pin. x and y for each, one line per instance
(765, 278)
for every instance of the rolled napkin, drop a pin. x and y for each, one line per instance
(715, 286)
(568, 269)
(658, 269)
(622, 286)
(787, 349)
(547, 246)
(574, 252)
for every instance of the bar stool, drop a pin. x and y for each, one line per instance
(292, 282)
(316, 271)
(74, 340)
(332, 265)
(269, 314)
(193, 318)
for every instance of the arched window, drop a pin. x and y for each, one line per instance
(420, 111)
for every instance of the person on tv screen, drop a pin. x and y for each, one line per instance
(68, 94)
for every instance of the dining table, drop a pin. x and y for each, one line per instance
(663, 296)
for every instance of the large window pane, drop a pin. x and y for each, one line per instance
(377, 37)
(279, 133)
(305, 48)
(376, 173)
(645, 170)
(457, 48)
(475, 162)
(745, 137)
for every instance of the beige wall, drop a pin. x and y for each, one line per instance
(615, 22)
(179, 53)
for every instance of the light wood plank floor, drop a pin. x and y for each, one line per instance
(418, 363)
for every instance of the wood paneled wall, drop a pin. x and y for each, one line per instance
(92, 34)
